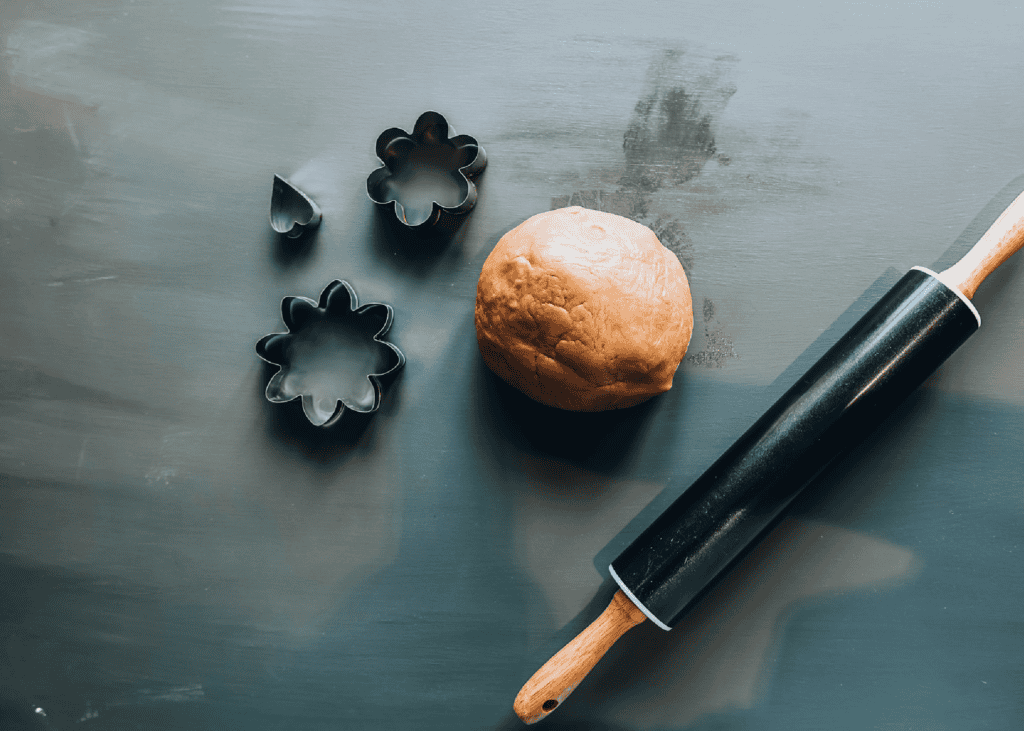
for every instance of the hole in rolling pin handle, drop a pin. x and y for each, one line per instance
(550, 705)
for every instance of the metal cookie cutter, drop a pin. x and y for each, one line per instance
(333, 356)
(292, 212)
(427, 176)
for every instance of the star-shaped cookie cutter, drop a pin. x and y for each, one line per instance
(333, 356)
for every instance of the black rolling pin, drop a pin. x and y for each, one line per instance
(845, 395)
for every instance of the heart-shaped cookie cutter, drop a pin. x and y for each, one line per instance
(292, 212)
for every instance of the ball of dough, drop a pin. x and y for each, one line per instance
(583, 310)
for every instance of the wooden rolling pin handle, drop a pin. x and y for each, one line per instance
(999, 243)
(560, 675)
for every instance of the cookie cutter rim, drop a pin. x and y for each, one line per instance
(282, 187)
(354, 308)
(467, 173)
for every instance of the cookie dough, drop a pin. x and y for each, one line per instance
(583, 310)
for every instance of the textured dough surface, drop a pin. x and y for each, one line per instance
(583, 310)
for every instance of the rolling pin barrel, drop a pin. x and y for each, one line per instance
(842, 398)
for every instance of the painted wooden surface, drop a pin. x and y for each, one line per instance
(177, 553)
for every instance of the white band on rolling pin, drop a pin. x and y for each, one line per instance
(637, 602)
(955, 291)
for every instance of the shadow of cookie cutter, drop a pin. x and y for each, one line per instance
(426, 160)
(292, 212)
(309, 370)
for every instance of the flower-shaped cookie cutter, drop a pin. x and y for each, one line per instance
(292, 212)
(333, 356)
(427, 176)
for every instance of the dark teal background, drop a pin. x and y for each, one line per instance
(177, 553)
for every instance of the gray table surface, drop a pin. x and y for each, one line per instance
(177, 553)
